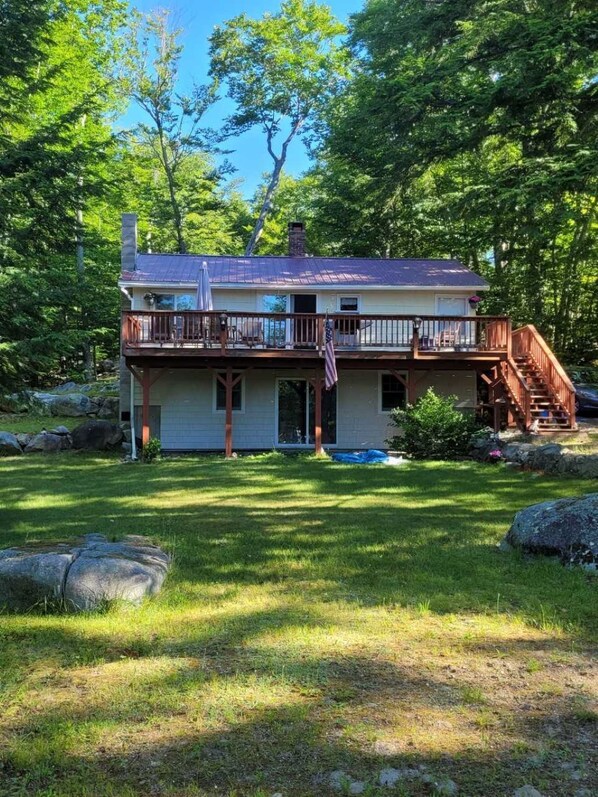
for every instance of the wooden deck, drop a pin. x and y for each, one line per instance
(295, 337)
(523, 375)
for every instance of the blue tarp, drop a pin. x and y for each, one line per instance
(362, 457)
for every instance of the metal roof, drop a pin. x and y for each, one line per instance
(301, 272)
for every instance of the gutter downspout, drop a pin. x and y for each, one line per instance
(132, 412)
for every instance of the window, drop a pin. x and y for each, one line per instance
(169, 301)
(392, 393)
(221, 394)
(164, 301)
(348, 304)
(186, 301)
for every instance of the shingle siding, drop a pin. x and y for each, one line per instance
(189, 421)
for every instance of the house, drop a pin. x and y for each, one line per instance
(249, 374)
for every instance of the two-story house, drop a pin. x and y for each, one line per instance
(249, 372)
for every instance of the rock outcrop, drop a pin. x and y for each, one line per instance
(82, 575)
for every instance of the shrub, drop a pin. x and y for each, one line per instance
(432, 428)
(152, 450)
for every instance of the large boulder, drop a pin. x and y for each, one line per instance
(106, 571)
(81, 575)
(567, 528)
(47, 443)
(9, 445)
(33, 576)
(110, 407)
(97, 435)
(73, 405)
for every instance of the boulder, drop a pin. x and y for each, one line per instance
(97, 435)
(60, 430)
(110, 407)
(24, 439)
(567, 528)
(9, 445)
(105, 571)
(32, 576)
(73, 405)
(66, 387)
(82, 575)
(47, 443)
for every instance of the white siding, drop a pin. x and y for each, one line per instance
(383, 302)
(189, 420)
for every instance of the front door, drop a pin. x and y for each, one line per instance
(304, 332)
(296, 414)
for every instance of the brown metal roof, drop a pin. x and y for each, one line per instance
(301, 272)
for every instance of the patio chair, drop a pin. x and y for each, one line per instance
(251, 332)
(449, 336)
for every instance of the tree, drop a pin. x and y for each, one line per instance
(279, 70)
(52, 168)
(481, 140)
(174, 134)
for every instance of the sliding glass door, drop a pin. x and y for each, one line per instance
(296, 413)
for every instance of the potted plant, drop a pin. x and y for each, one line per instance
(474, 301)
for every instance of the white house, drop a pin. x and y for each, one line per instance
(249, 374)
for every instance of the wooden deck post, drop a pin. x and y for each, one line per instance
(145, 412)
(318, 412)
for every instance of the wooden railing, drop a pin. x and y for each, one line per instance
(528, 342)
(239, 330)
(518, 390)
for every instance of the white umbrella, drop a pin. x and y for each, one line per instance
(204, 289)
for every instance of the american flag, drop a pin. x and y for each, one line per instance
(330, 374)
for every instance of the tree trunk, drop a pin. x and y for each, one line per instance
(88, 364)
(279, 162)
(176, 211)
(266, 208)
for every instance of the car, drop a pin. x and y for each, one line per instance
(586, 397)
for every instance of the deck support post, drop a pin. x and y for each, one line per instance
(318, 412)
(229, 382)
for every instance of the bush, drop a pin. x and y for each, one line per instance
(152, 450)
(433, 428)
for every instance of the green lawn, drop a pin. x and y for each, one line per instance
(318, 617)
(32, 424)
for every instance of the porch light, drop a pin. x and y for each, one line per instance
(417, 322)
(223, 319)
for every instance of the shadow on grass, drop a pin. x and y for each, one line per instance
(422, 534)
(171, 732)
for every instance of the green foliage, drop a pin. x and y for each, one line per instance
(279, 71)
(432, 428)
(152, 450)
(469, 130)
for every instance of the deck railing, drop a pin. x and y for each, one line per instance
(527, 341)
(306, 331)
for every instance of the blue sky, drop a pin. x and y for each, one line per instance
(198, 18)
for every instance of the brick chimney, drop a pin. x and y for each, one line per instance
(128, 252)
(296, 239)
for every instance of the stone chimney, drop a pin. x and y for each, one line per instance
(296, 239)
(128, 252)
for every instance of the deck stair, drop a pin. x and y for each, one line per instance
(541, 396)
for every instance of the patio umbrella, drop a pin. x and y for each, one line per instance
(204, 289)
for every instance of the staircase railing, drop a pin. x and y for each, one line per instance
(518, 390)
(527, 341)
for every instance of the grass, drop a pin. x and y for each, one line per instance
(318, 617)
(32, 423)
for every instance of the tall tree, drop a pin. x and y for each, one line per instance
(481, 120)
(174, 133)
(279, 71)
(51, 169)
